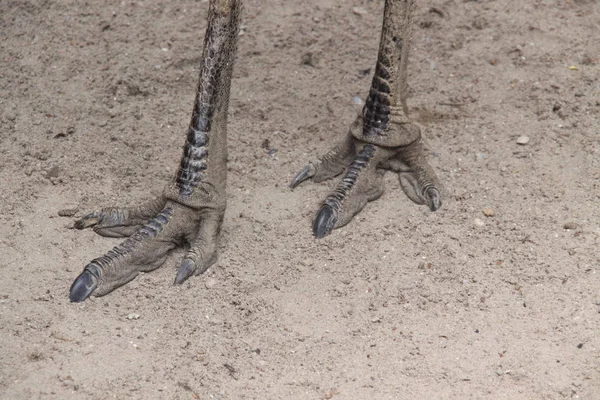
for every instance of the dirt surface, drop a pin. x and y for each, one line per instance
(495, 296)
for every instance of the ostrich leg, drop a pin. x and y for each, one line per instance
(191, 207)
(381, 138)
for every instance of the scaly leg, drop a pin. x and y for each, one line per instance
(191, 207)
(382, 137)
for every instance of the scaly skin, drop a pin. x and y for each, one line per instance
(381, 138)
(192, 206)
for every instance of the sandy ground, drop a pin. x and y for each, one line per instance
(400, 304)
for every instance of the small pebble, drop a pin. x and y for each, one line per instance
(210, 283)
(479, 222)
(364, 72)
(10, 115)
(308, 59)
(53, 172)
(570, 225)
(357, 100)
(523, 140)
(133, 316)
(307, 262)
(488, 212)
(69, 212)
(359, 11)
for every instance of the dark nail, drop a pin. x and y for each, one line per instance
(304, 174)
(186, 269)
(83, 286)
(434, 200)
(324, 222)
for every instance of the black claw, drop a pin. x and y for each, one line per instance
(325, 221)
(186, 269)
(83, 286)
(306, 172)
(434, 200)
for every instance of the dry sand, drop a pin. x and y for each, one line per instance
(400, 304)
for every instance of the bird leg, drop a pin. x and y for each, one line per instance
(381, 138)
(191, 207)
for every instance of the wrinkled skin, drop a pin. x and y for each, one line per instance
(191, 208)
(364, 165)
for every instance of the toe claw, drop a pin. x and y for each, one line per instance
(83, 286)
(434, 200)
(87, 221)
(306, 172)
(186, 269)
(324, 221)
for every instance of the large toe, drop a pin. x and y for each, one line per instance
(324, 221)
(83, 286)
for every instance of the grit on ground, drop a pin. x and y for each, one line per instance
(494, 296)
